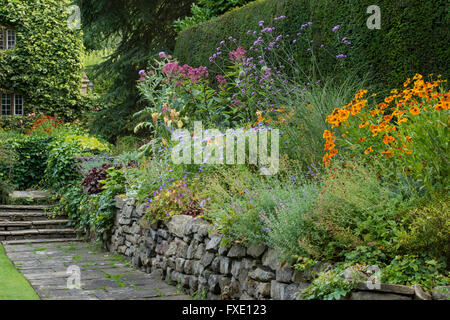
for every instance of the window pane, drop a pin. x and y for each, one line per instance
(1, 39)
(6, 104)
(18, 105)
(11, 39)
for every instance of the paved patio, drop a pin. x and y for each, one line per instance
(51, 268)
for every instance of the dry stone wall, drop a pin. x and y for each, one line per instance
(189, 252)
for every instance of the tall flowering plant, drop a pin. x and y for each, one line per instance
(408, 131)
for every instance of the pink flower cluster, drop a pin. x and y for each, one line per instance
(221, 80)
(238, 54)
(173, 69)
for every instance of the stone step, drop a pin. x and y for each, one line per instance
(45, 240)
(28, 215)
(10, 207)
(38, 224)
(36, 234)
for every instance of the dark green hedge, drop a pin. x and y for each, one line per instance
(46, 65)
(31, 160)
(414, 34)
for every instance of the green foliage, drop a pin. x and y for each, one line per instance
(31, 160)
(95, 213)
(17, 123)
(126, 144)
(289, 223)
(5, 190)
(101, 207)
(7, 159)
(61, 169)
(354, 208)
(205, 10)
(412, 269)
(408, 41)
(71, 201)
(177, 199)
(46, 64)
(428, 229)
(231, 204)
(329, 285)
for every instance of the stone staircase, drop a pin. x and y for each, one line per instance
(33, 224)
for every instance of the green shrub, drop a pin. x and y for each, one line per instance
(71, 200)
(101, 207)
(231, 203)
(413, 269)
(5, 190)
(329, 285)
(252, 209)
(353, 209)
(61, 169)
(31, 160)
(7, 159)
(94, 214)
(289, 222)
(412, 38)
(126, 144)
(428, 229)
(17, 123)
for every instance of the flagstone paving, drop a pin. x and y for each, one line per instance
(103, 276)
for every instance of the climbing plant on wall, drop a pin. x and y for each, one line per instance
(46, 64)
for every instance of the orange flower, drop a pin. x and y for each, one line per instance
(326, 159)
(327, 134)
(333, 152)
(388, 153)
(362, 139)
(414, 110)
(364, 124)
(408, 138)
(370, 150)
(407, 82)
(388, 99)
(388, 139)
